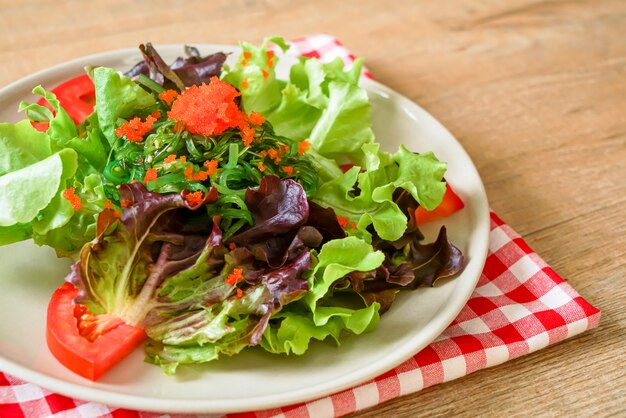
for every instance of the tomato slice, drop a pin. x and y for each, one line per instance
(451, 203)
(346, 167)
(76, 95)
(89, 359)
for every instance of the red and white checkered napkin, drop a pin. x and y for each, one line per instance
(520, 305)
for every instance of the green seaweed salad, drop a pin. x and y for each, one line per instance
(216, 207)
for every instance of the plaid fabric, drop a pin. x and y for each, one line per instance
(520, 305)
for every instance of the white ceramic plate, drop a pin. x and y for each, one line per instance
(253, 379)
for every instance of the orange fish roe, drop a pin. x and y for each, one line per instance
(125, 203)
(135, 129)
(199, 176)
(116, 213)
(343, 222)
(263, 153)
(169, 159)
(244, 84)
(265, 73)
(239, 293)
(274, 155)
(156, 114)
(189, 172)
(235, 276)
(70, 195)
(256, 118)
(183, 159)
(207, 109)
(151, 174)
(211, 166)
(168, 96)
(260, 166)
(247, 134)
(270, 58)
(232, 246)
(302, 147)
(288, 170)
(244, 62)
(247, 54)
(194, 199)
(211, 109)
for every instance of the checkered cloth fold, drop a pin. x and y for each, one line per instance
(520, 305)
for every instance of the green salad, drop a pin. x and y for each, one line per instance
(210, 207)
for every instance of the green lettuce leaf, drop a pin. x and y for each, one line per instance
(15, 233)
(117, 97)
(29, 190)
(297, 329)
(86, 139)
(319, 315)
(294, 102)
(61, 127)
(36, 167)
(263, 91)
(421, 175)
(325, 105)
(321, 103)
(21, 145)
(336, 259)
(344, 125)
(66, 229)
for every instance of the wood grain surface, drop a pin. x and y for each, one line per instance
(534, 90)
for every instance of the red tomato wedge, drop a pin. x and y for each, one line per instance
(346, 167)
(76, 95)
(451, 203)
(89, 359)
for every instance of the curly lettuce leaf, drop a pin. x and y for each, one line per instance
(319, 315)
(32, 181)
(321, 103)
(257, 67)
(67, 237)
(170, 357)
(61, 125)
(419, 174)
(117, 97)
(29, 190)
(408, 263)
(279, 208)
(164, 267)
(366, 197)
(194, 69)
(200, 316)
(336, 259)
(21, 145)
(86, 139)
(64, 156)
(114, 277)
(297, 329)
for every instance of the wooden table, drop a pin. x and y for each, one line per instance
(534, 90)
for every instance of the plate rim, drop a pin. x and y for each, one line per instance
(138, 402)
